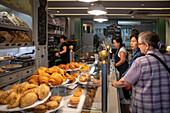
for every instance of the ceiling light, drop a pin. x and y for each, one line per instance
(100, 18)
(87, 0)
(129, 22)
(97, 9)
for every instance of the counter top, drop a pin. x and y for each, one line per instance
(113, 101)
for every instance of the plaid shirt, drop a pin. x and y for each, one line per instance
(151, 84)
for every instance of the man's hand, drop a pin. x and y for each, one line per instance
(114, 83)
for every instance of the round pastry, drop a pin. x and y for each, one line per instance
(52, 105)
(74, 100)
(57, 98)
(83, 78)
(40, 109)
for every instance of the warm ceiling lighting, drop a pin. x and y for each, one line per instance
(97, 9)
(88, 0)
(100, 18)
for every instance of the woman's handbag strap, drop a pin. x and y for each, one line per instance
(163, 63)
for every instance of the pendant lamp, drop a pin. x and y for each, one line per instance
(100, 18)
(97, 9)
(88, 0)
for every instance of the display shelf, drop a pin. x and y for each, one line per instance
(14, 45)
(52, 33)
(11, 6)
(9, 26)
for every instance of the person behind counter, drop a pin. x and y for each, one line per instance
(64, 52)
(149, 77)
(121, 55)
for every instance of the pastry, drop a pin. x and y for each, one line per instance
(15, 86)
(56, 79)
(10, 97)
(40, 109)
(74, 100)
(43, 91)
(5, 95)
(40, 70)
(43, 79)
(83, 78)
(14, 102)
(1, 92)
(56, 98)
(19, 89)
(78, 92)
(52, 105)
(28, 99)
(88, 101)
(6, 18)
(34, 80)
(28, 87)
(2, 70)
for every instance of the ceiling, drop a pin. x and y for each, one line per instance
(116, 9)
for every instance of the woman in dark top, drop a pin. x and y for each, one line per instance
(64, 53)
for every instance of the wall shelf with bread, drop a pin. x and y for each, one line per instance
(15, 24)
(18, 5)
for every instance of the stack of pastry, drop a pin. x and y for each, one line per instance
(84, 67)
(52, 103)
(74, 100)
(23, 95)
(68, 66)
(49, 76)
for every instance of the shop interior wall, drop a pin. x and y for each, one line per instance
(167, 31)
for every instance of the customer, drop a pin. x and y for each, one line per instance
(64, 52)
(150, 79)
(136, 51)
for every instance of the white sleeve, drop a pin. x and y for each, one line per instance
(122, 49)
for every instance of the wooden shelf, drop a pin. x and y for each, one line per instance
(14, 45)
(11, 6)
(10, 26)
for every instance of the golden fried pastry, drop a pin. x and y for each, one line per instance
(43, 91)
(72, 66)
(76, 65)
(70, 78)
(35, 90)
(40, 70)
(62, 66)
(44, 74)
(74, 100)
(14, 102)
(49, 70)
(28, 99)
(56, 79)
(4, 96)
(78, 92)
(60, 71)
(75, 74)
(15, 86)
(1, 92)
(88, 101)
(57, 98)
(83, 78)
(10, 97)
(43, 79)
(2, 70)
(52, 105)
(34, 80)
(27, 87)
(40, 109)
(19, 89)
